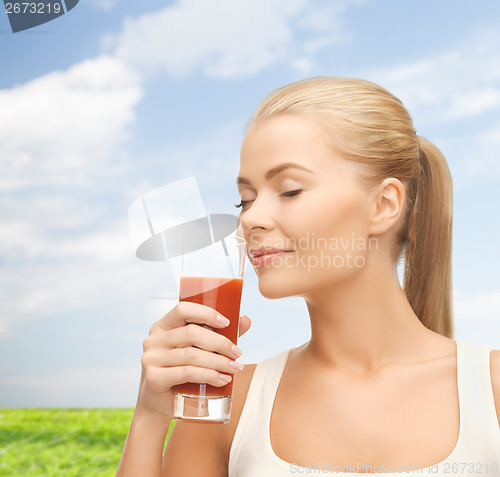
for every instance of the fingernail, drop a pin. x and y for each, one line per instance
(235, 365)
(236, 351)
(225, 377)
(223, 320)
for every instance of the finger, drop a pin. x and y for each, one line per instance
(244, 325)
(193, 335)
(168, 377)
(186, 312)
(193, 374)
(190, 357)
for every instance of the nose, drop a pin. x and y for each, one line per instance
(257, 217)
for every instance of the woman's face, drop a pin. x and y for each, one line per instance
(305, 212)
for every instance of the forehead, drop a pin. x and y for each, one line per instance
(290, 138)
(279, 131)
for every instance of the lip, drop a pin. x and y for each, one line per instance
(263, 255)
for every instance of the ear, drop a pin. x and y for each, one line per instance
(388, 202)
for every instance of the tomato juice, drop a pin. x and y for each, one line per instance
(224, 295)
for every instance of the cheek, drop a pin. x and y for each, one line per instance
(341, 216)
(334, 238)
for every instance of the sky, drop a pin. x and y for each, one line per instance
(115, 99)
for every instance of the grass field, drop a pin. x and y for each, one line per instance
(62, 442)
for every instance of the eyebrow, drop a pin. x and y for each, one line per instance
(275, 171)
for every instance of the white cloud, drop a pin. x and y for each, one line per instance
(58, 133)
(458, 88)
(457, 84)
(68, 288)
(32, 241)
(226, 39)
(53, 127)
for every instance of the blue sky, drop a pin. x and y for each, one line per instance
(115, 99)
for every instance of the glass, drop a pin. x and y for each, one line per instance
(212, 276)
(206, 255)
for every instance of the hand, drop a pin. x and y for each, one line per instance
(179, 349)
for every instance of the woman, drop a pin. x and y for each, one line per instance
(336, 188)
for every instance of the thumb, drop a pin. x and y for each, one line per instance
(245, 323)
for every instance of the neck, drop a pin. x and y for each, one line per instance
(362, 323)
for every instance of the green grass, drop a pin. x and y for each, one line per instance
(62, 442)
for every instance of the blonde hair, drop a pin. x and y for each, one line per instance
(367, 124)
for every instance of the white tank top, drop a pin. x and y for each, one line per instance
(476, 452)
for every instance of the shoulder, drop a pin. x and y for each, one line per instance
(211, 441)
(495, 379)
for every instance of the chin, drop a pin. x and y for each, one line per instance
(273, 287)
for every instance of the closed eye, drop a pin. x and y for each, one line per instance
(291, 193)
(243, 203)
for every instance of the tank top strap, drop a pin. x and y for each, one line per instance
(478, 419)
(253, 426)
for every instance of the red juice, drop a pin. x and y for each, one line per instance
(224, 295)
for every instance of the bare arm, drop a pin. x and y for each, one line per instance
(142, 452)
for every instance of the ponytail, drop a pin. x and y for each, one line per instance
(428, 242)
